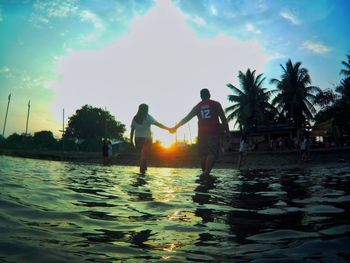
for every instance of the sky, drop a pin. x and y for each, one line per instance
(117, 54)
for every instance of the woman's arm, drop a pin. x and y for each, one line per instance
(160, 125)
(132, 136)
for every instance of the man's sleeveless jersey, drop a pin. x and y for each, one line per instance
(208, 117)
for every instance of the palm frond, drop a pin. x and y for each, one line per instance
(234, 89)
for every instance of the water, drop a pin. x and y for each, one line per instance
(65, 212)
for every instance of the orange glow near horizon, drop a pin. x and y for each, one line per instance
(167, 142)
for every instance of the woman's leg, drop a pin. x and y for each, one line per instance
(144, 156)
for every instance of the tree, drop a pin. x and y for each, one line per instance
(339, 110)
(325, 98)
(346, 70)
(44, 139)
(344, 87)
(18, 141)
(295, 94)
(94, 123)
(251, 102)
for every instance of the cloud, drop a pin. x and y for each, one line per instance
(316, 47)
(44, 11)
(87, 15)
(1, 15)
(198, 21)
(251, 28)
(4, 70)
(213, 10)
(290, 17)
(56, 8)
(161, 62)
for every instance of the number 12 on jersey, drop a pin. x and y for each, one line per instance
(205, 113)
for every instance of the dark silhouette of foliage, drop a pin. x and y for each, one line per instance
(346, 71)
(250, 102)
(295, 98)
(325, 98)
(344, 87)
(45, 140)
(339, 110)
(94, 123)
(2, 141)
(18, 141)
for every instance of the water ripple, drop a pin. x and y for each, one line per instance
(66, 212)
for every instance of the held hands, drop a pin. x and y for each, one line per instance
(172, 130)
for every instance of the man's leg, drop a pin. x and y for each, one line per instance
(213, 144)
(239, 160)
(203, 163)
(202, 151)
(209, 164)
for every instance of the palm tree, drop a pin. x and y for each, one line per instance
(325, 98)
(250, 103)
(296, 97)
(339, 109)
(344, 87)
(346, 71)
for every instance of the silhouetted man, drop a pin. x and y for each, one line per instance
(209, 129)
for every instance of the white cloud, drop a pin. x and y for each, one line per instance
(87, 15)
(45, 10)
(38, 20)
(4, 70)
(316, 47)
(213, 10)
(88, 39)
(161, 62)
(289, 16)
(56, 8)
(251, 28)
(1, 15)
(198, 21)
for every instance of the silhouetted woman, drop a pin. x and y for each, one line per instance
(141, 128)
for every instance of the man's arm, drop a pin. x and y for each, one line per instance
(223, 118)
(189, 116)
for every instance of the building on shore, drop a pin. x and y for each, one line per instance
(264, 137)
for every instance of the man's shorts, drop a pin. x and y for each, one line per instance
(208, 144)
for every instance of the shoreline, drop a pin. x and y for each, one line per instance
(287, 159)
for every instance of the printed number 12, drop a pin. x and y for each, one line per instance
(205, 114)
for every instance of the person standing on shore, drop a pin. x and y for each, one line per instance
(105, 151)
(242, 149)
(110, 151)
(303, 145)
(141, 129)
(209, 113)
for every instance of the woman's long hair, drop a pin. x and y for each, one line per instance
(141, 113)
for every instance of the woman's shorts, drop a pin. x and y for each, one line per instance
(141, 142)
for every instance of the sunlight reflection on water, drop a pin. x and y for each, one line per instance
(66, 212)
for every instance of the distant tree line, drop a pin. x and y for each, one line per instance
(85, 131)
(293, 100)
(336, 104)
